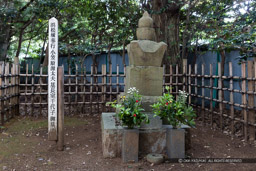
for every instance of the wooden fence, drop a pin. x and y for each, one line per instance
(86, 91)
(9, 92)
(225, 112)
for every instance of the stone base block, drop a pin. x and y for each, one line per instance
(130, 145)
(147, 79)
(152, 141)
(175, 143)
(111, 136)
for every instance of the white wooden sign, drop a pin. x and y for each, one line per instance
(52, 78)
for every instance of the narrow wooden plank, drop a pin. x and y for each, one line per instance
(17, 82)
(196, 89)
(110, 82)
(244, 102)
(2, 92)
(184, 74)
(251, 112)
(12, 91)
(32, 91)
(26, 91)
(103, 87)
(211, 95)
(60, 142)
(164, 77)
(69, 90)
(40, 89)
(76, 89)
(231, 97)
(171, 77)
(117, 79)
(203, 94)
(189, 83)
(177, 82)
(91, 88)
(7, 91)
(220, 95)
(84, 88)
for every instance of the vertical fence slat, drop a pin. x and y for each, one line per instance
(40, 89)
(220, 96)
(189, 84)
(203, 100)
(110, 81)
(84, 88)
(32, 91)
(164, 71)
(177, 81)
(251, 101)
(196, 89)
(244, 101)
(7, 91)
(211, 95)
(231, 96)
(76, 89)
(117, 79)
(12, 90)
(69, 90)
(171, 76)
(91, 76)
(17, 82)
(2, 93)
(184, 74)
(26, 91)
(103, 87)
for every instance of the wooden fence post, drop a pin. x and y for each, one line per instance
(196, 92)
(171, 75)
(220, 96)
(231, 96)
(184, 74)
(189, 84)
(7, 91)
(211, 95)
(60, 142)
(244, 102)
(2, 93)
(103, 87)
(203, 100)
(251, 101)
(17, 91)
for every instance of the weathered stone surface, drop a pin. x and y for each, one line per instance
(155, 122)
(145, 20)
(146, 53)
(130, 145)
(147, 79)
(152, 141)
(147, 101)
(175, 143)
(155, 158)
(146, 33)
(111, 136)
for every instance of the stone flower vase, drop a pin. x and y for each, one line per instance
(130, 145)
(175, 143)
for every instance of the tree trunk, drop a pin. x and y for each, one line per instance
(167, 28)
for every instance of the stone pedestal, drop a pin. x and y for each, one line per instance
(175, 143)
(130, 145)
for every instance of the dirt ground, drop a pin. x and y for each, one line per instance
(24, 146)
